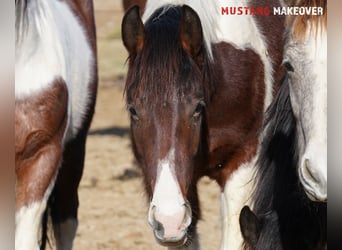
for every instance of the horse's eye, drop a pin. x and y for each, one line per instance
(133, 113)
(288, 66)
(199, 109)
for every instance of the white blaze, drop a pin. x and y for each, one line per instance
(167, 196)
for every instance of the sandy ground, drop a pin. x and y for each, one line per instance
(113, 207)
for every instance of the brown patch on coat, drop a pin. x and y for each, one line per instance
(236, 111)
(40, 122)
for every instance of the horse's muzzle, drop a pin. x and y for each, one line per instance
(170, 229)
(314, 180)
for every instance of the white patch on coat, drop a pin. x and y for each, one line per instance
(28, 220)
(237, 193)
(55, 45)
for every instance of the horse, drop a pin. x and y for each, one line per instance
(290, 198)
(306, 57)
(284, 217)
(55, 94)
(197, 86)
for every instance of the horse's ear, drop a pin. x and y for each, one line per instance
(250, 226)
(191, 35)
(132, 30)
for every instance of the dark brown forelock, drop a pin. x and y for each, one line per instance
(299, 24)
(162, 66)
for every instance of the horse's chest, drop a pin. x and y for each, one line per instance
(227, 153)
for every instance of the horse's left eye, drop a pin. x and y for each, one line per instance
(288, 66)
(133, 113)
(199, 109)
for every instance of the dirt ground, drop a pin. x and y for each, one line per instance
(113, 207)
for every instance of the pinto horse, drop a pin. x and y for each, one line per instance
(197, 86)
(55, 93)
(290, 197)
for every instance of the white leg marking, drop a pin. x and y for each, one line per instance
(65, 233)
(237, 193)
(28, 221)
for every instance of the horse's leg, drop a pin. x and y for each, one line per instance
(236, 194)
(64, 200)
(34, 184)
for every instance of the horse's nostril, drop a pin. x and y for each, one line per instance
(313, 179)
(188, 215)
(152, 219)
(309, 171)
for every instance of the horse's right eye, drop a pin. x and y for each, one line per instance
(133, 113)
(199, 109)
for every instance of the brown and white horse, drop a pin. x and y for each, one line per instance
(197, 87)
(55, 93)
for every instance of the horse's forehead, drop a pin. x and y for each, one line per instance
(171, 99)
(163, 87)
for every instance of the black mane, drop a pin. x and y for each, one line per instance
(301, 222)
